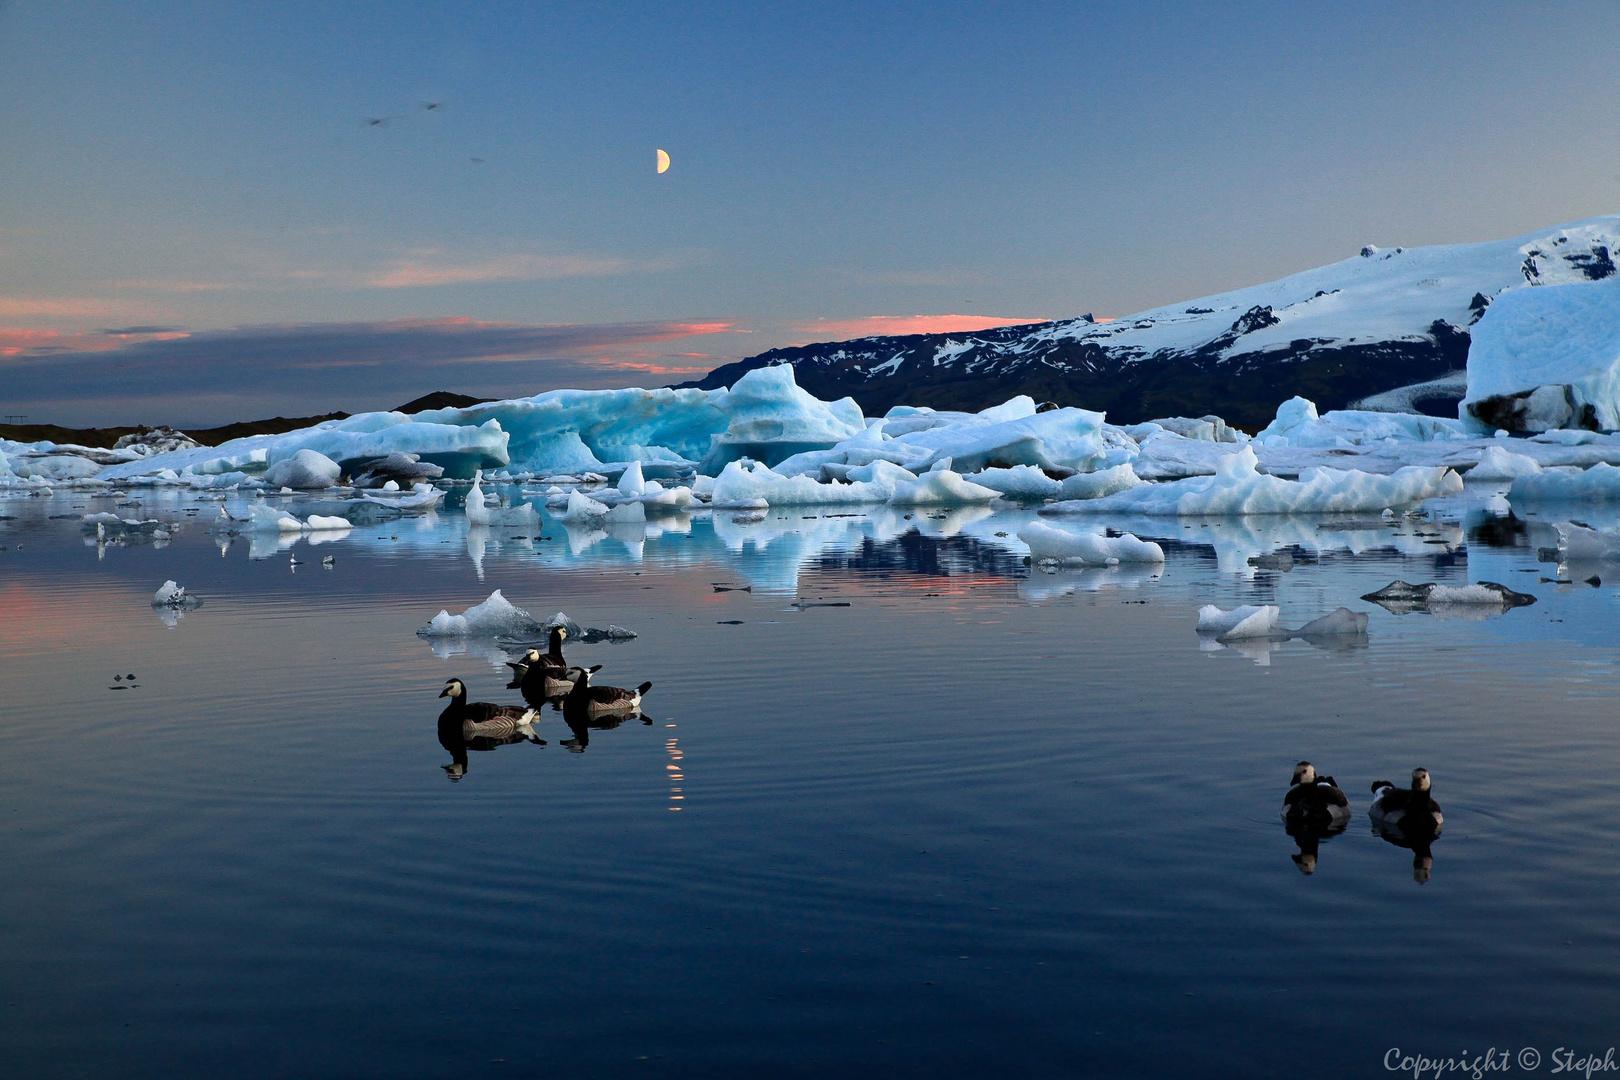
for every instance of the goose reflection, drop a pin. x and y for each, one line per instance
(480, 726)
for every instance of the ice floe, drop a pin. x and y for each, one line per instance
(495, 617)
(1578, 542)
(1401, 597)
(307, 469)
(1239, 488)
(1095, 549)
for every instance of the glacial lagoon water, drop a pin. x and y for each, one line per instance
(986, 820)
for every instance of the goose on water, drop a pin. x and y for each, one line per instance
(1313, 801)
(483, 719)
(603, 698)
(550, 660)
(1409, 809)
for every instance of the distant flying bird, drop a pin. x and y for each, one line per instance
(376, 121)
(431, 106)
(476, 160)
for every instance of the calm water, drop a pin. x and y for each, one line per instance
(984, 821)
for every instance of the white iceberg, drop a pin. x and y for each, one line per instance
(1095, 485)
(524, 515)
(1018, 482)
(495, 617)
(1577, 542)
(1600, 483)
(1239, 488)
(305, 470)
(1046, 542)
(1547, 357)
(1298, 425)
(1248, 621)
(173, 595)
(322, 523)
(940, 487)
(268, 519)
(582, 510)
(1496, 463)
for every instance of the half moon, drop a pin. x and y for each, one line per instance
(663, 162)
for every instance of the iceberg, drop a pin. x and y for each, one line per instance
(307, 469)
(1061, 439)
(268, 519)
(478, 511)
(319, 523)
(746, 482)
(1095, 485)
(1298, 425)
(1577, 543)
(769, 418)
(582, 510)
(1239, 488)
(1496, 463)
(940, 487)
(1546, 357)
(1600, 483)
(1018, 482)
(173, 595)
(495, 617)
(1248, 621)
(1046, 542)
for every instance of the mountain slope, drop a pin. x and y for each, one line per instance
(1374, 323)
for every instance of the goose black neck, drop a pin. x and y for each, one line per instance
(555, 650)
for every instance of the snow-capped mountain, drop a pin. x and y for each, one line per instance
(1378, 322)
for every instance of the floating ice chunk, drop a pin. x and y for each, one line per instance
(1499, 464)
(1046, 542)
(1577, 542)
(1478, 593)
(1059, 439)
(1096, 485)
(1600, 483)
(305, 470)
(1547, 357)
(744, 481)
(1400, 596)
(625, 513)
(396, 468)
(1248, 621)
(495, 617)
(523, 515)
(268, 519)
(1298, 425)
(576, 632)
(320, 523)
(940, 487)
(631, 483)
(582, 510)
(173, 595)
(1341, 622)
(1018, 482)
(1239, 488)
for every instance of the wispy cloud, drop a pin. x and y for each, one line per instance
(72, 307)
(896, 325)
(430, 267)
(156, 374)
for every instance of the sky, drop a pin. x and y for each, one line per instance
(199, 224)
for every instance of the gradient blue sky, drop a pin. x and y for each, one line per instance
(205, 170)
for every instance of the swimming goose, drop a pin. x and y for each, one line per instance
(603, 698)
(1313, 801)
(482, 719)
(1409, 810)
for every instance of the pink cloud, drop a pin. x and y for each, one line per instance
(896, 325)
(20, 341)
